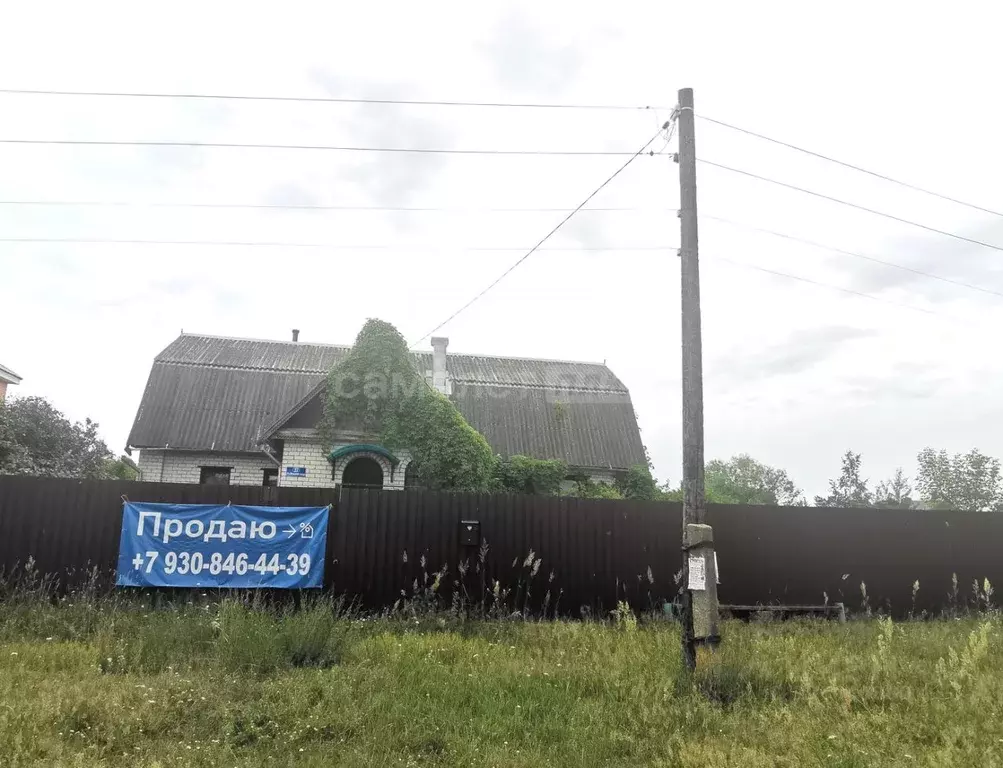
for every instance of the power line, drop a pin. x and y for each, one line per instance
(318, 207)
(851, 166)
(547, 236)
(329, 246)
(326, 100)
(826, 285)
(854, 254)
(852, 205)
(315, 147)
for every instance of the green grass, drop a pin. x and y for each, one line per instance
(116, 683)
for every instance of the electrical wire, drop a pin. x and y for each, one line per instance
(316, 147)
(546, 237)
(854, 254)
(309, 207)
(331, 246)
(851, 205)
(825, 285)
(323, 99)
(851, 166)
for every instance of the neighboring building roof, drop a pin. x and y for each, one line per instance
(227, 394)
(6, 374)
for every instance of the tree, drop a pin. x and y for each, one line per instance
(743, 480)
(676, 494)
(968, 481)
(122, 468)
(894, 492)
(36, 439)
(640, 484)
(849, 490)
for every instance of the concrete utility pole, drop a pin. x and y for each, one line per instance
(699, 564)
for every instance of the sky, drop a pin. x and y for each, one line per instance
(797, 371)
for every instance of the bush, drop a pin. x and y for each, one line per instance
(522, 474)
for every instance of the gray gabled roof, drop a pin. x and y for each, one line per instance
(226, 394)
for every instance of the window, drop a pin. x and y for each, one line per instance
(214, 476)
(362, 472)
(270, 477)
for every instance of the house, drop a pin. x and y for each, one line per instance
(245, 411)
(7, 376)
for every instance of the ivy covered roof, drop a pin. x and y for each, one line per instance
(225, 394)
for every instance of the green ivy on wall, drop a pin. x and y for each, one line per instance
(377, 390)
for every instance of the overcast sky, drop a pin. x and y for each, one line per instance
(795, 373)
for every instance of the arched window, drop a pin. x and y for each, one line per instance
(362, 472)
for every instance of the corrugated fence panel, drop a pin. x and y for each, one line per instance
(591, 553)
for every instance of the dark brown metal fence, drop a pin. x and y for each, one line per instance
(592, 553)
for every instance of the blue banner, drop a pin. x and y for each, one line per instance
(212, 546)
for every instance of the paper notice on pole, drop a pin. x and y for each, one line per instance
(698, 573)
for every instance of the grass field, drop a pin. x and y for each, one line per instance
(111, 683)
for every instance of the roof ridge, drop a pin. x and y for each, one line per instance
(416, 352)
(265, 341)
(551, 387)
(230, 367)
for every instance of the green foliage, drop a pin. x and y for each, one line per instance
(522, 474)
(377, 391)
(969, 481)
(122, 468)
(639, 484)
(894, 493)
(848, 490)
(560, 412)
(676, 494)
(586, 488)
(445, 692)
(449, 453)
(36, 439)
(961, 669)
(743, 480)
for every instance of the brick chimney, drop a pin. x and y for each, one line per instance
(296, 334)
(440, 373)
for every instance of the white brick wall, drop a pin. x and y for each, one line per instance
(313, 456)
(601, 476)
(151, 465)
(185, 466)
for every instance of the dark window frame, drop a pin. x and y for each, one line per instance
(364, 458)
(270, 473)
(205, 473)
